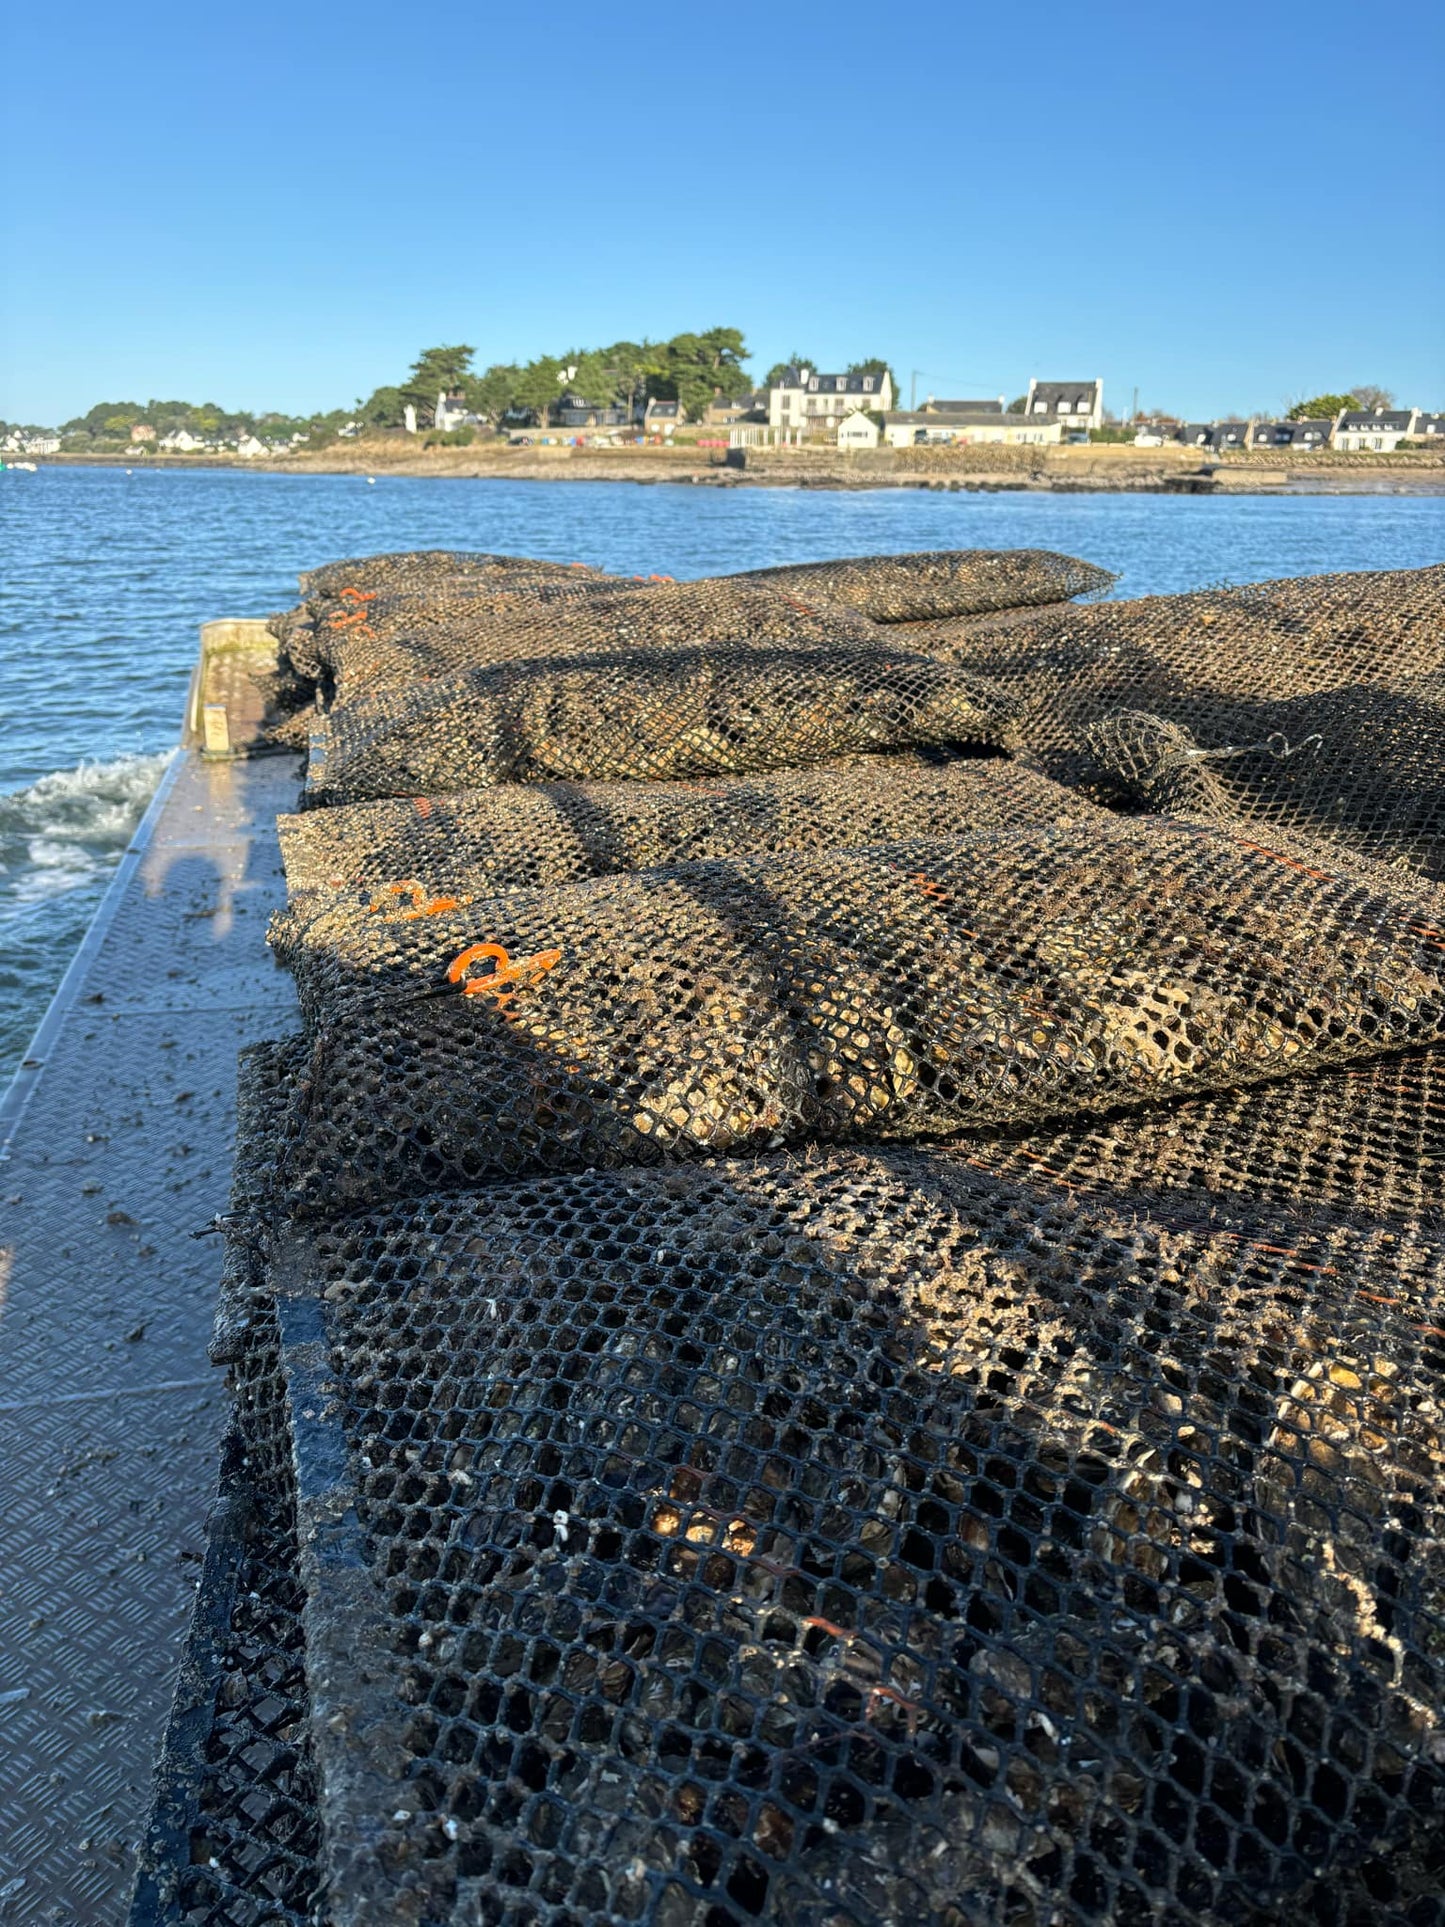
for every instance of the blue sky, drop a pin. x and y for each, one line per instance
(276, 205)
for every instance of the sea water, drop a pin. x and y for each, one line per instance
(106, 574)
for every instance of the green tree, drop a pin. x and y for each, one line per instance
(1320, 407)
(436, 371)
(692, 368)
(1018, 406)
(106, 419)
(383, 408)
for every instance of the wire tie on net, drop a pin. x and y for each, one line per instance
(1276, 744)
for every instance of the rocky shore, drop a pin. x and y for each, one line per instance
(1043, 470)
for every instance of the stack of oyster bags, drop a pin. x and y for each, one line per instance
(836, 1313)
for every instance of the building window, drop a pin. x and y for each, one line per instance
(1041, 408)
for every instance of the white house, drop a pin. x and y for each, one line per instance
(1073, 404)
(451, 412)
(919, 428)
(180, 440)
(1426, 426)
(1382, 429)
(858, 430)
(248, 448)
(816, 404)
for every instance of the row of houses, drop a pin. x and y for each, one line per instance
(858, 411)
(1379, 430)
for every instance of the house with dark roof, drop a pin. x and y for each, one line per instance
(1213, 436)
(575, 411)
(917, 428)
(1074, 404)
(723, 413)
(1381, 429)
(804, 400)
(661, 417)
(989, 405)
(1427, 426)
(1296, 436)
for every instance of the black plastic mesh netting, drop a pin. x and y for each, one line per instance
(340, 641)
(415, 638)
(707, 709)
(362, 579)
(906, 988)
(938, 583)
(1314, 703)
(404, 854)
(235, 1832)
(861, 1540)
(846, 1342)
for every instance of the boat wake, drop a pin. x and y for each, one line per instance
(74, 819)
(59, 840)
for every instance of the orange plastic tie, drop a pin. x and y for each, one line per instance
(359, 595)
(502, 983)
(1290, 862)
(422, 905)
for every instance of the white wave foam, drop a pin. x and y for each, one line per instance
(95, 804)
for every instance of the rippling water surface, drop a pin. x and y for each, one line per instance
(106, 574)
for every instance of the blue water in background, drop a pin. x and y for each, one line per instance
(105, 576)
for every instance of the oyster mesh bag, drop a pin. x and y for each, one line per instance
(864, 1539)
(1314, 703)
(705, 710)
(822, 1338)
(345, 595)
(408, 638)
(939, 583)
(901, 989)
(404, 853)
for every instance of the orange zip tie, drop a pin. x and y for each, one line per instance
(421, 904)
(338, 621)
(1290, 862)
(502, 983)
(359, 595)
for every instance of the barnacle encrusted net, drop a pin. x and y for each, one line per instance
(915, 987)
(525, 836)
(846, 1342)
(411, 638)
(654, 715)
(1315, 704)
(939, 583)
(861, 1539)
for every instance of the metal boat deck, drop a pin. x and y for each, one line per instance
(115, 1147)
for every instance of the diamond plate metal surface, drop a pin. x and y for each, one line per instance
(118, 1149)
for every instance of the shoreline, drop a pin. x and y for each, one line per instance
(1059, 471)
